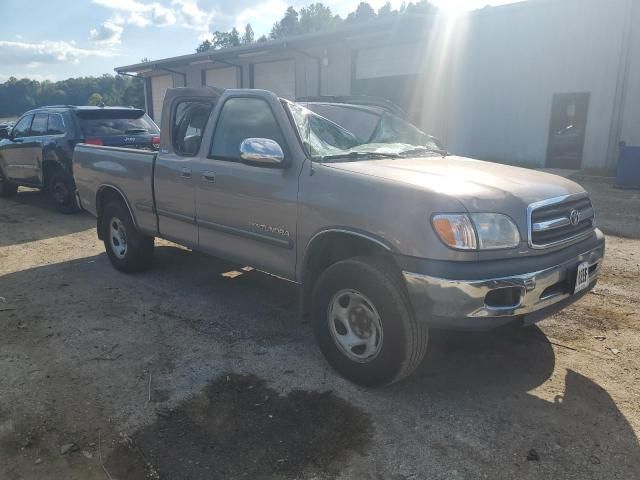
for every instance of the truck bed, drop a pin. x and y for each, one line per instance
(126, 170)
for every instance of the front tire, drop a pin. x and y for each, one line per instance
(7, 189)
(364, 322)
(129, 250)
(61, 190)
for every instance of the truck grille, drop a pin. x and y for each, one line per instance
(560, 220)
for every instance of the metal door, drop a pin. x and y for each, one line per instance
(567, 128)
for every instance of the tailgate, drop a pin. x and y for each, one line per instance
(126, 171)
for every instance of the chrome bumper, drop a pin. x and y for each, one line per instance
(463, 303)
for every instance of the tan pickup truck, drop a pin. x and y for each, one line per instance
(387, 235)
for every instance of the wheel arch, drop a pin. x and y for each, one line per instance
(333, 245)
(103, 195)
(51, 165)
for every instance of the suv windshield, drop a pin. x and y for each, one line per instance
(328, 141)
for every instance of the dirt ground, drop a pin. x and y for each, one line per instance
(182, 373)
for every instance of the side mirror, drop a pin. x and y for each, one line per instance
(261, 152)
(4, 132)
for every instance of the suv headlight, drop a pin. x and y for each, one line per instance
(477, 231)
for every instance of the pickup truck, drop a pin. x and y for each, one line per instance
(37, 151)
(387, 237)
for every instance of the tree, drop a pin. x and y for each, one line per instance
(204, 46)
(422, 7)
(288, 26)
(386, 10)
(19, 95)
(363, 12)
(95, 99)
(234, 38)
(248, 36)
(317, 18)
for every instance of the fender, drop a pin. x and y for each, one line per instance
(345, 231)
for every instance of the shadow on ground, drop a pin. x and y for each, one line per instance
(472, 404)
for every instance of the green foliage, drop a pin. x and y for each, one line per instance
(363, 12)
(18, 96)
(315, 17)
(288, 26)
(248, 36)
(95, 99)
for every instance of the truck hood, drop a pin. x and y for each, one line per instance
(478, 185)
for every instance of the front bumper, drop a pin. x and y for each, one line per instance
(523, 298)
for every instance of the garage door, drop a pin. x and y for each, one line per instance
(159, 87)
(222, 77)
(279, 77)
(388, 61)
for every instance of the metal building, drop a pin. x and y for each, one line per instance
(552, 83)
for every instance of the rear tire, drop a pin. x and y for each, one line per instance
(7, 189)
(61, 190)
(129, 250)
(364, 322)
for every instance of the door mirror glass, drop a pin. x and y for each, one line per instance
(4, 132)
(261, 151)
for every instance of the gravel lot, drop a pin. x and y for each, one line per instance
(182, 373)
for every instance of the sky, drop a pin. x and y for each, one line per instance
(55, 40)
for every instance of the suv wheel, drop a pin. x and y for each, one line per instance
(364, 322)
(129, 250)
(62, 192)
(7, 189)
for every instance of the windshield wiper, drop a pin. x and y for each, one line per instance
(136, 130)
(417, 150)
(358, 155)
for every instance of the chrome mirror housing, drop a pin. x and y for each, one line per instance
(261, 151)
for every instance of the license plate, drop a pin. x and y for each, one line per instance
(582, 277)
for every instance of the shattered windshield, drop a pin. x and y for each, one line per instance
(327, 141)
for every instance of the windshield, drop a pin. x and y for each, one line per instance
(325, 140)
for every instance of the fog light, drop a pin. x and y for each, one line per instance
(507, 297)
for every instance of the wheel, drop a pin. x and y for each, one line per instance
(7, 189)
(62, 192)
(129, 250)
(364, 322)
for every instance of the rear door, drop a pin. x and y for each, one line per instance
(174, 170)
(246, 212)
(21, 152)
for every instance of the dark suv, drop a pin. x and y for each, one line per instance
(37, 151)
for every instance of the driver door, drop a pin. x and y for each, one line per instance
(248, 213)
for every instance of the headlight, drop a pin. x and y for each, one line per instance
(495, 231)
(483, 231)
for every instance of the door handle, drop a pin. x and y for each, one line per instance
(209, 177)
(186, 172)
